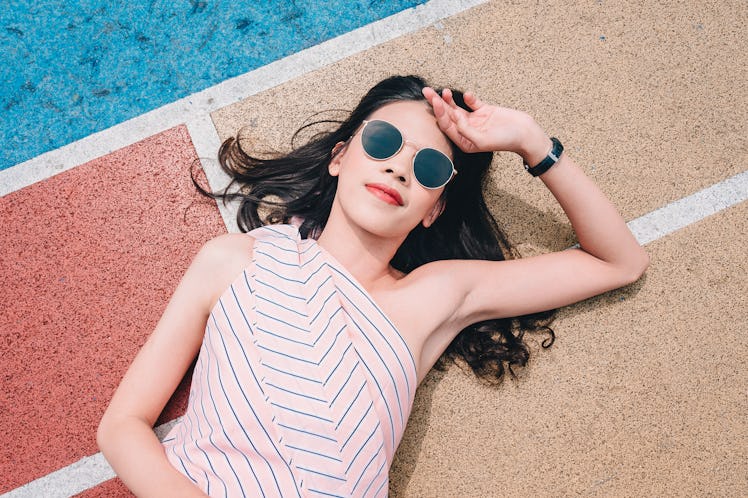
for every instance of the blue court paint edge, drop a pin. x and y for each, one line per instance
(227, 92)
(74, 68)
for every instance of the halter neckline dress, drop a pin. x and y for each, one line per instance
(302, 386)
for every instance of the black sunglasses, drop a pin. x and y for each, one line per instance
(382, 140)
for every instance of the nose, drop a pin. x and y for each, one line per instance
(400, 165)
(399, 175)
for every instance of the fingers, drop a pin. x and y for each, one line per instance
(470, 99)
(473, 101)
(436, 102)
(451, 118)
(440, 108)
(455, 112)
(449, 98)
(429, 93)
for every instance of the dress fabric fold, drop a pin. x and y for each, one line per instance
(302, 386)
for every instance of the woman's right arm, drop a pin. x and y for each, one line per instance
(125, 435)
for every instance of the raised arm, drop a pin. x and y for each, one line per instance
(609, 255)
(125, 435)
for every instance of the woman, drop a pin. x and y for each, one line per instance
(310, 350)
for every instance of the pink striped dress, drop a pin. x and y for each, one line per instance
(302, 386)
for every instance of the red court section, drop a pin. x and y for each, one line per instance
(89, 260)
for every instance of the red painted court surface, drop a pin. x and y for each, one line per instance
(89, 259)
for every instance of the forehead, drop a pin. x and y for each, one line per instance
(416, 121)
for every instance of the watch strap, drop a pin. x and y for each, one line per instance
(551, 159)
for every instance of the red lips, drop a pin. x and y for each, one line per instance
(385, 193)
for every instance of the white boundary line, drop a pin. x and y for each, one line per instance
(94, 470)
(232, 90)
(206, 142)
(688, 210)
(77, 477)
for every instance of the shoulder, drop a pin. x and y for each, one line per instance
(445, 291)
(425, 306)
(229, 245)
(434, 292)
(449, 270)
(220, 261)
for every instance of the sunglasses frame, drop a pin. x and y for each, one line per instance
(404, 141)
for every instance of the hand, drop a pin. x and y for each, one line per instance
(488, 128)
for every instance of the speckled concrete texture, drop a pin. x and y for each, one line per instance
(643, 394)
(90, 258)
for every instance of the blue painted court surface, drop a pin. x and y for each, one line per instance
(70, 69)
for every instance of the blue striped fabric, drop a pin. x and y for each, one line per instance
(303, 386)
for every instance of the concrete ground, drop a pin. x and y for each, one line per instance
(643, 393)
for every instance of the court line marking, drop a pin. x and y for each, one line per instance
(228, 92)
(688, 210)
(94, 470)
(77, 477)
(206, 141)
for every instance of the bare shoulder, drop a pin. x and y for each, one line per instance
(449, 270)
(229, 245)
(435, 295)
(425, 305)
(435, 283)
(222, 259)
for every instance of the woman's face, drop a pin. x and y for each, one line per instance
(383, 197)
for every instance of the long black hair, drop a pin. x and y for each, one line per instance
(297, 185)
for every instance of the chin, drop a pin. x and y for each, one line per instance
(377, 218)
(384, 227)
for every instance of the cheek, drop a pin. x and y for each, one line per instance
(426, 203)
(349, 164)
(425, 196)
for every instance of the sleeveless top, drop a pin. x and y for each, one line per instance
(302, 386)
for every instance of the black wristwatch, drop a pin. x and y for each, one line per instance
(550, 159)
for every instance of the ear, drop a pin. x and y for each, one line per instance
(435, 212)
(336, 158)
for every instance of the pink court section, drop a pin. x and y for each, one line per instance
(89, 260)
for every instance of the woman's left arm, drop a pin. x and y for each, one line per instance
(609, 256)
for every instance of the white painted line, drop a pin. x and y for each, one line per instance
(225, 93)
(77, 477)
(206, 142)
(688, 210)
(73, 479)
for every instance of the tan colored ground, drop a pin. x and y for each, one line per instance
(644, 393)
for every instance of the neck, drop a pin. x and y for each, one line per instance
(366, 256)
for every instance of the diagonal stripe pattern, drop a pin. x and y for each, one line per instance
(303, 386)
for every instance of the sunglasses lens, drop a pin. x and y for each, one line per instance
(381, 140)
(432, 168)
